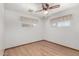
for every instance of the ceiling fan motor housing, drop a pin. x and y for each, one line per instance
(45, 6)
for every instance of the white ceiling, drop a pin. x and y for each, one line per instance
(24, 7)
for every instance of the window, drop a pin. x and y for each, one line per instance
(62, 24)
(63, 21)
(28, 22)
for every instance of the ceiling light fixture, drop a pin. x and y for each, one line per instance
(45, 12)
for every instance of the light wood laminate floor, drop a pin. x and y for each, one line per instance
(41, 48)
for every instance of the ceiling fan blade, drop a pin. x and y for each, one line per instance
(39, 10)
(56, 6)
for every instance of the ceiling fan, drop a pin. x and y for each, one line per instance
(46, 7)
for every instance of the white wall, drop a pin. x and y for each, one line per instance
(65, 36)
(18, 35)
(1, 28)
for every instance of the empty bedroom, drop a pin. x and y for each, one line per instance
(39, 29)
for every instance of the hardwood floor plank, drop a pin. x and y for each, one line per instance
(41, 48)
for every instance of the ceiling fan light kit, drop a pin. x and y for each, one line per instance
(45, 12)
